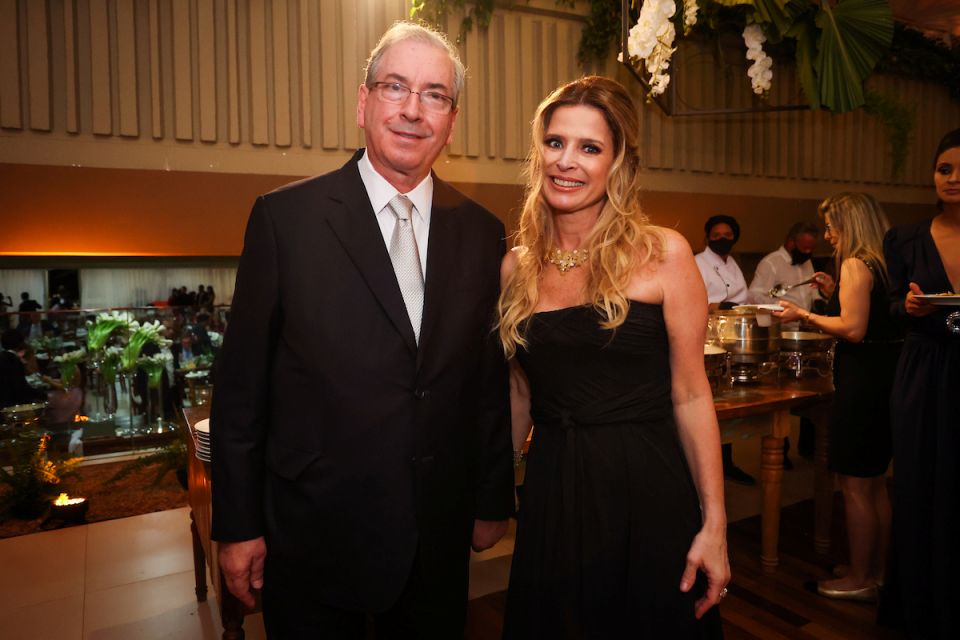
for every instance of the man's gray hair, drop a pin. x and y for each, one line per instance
(402, 31)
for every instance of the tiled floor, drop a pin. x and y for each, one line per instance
(132, 579)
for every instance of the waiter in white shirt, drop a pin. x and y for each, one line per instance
(725, 288)
(788, 265)
(720, 273)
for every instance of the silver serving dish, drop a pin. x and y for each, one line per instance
(805, 341)
(738, 332)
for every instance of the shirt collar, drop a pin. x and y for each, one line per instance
(785, 254)
(381, 192)
(715, 258)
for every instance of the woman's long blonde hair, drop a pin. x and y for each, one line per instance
(861, 224)
(622, 238)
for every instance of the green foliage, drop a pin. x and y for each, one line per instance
(898, 119)
(34, 480)
(435, 12)
(602, 29)
(854, 35)
(169, 457)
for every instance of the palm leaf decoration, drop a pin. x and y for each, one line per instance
(854, 35)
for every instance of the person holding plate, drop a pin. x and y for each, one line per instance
(924, 259)
(868, 346)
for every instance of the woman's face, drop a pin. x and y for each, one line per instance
(577, 155)
(946, 176)
(829, 233)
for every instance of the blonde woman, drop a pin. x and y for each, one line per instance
(866, 359)
(622, 531)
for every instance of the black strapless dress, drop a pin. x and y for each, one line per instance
(609, 508)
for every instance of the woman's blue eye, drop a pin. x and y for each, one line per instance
(591, 148)
(553, 143)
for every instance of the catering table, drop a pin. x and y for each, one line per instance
(232, 610)
(764, 410)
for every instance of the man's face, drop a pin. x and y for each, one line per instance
(403, 140)
(806, 243)
(719, 231)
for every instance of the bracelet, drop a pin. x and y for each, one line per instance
(517, 457)
(807, 319)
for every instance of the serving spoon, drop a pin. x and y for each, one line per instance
(779, 290)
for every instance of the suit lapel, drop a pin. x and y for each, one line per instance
(442, 250)
(355, 225)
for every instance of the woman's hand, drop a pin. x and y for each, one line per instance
(790, 312)
(824, 282)
(917, 308)
(708, 553)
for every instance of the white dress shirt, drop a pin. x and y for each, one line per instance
(778, 268)
(380, 192)
(723, 278)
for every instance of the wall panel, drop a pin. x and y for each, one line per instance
(269, 86)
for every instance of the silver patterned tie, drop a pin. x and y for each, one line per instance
(406, 261)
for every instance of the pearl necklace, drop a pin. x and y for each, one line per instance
(566, 260)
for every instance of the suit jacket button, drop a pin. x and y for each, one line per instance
(420, 394)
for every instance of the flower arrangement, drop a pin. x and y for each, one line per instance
(760, 71)
(154, 366)
(109, 361)
(99, 332)
(68, 365)
(140, 336)
(216, 339)
(650, 42)
(836, 44)
(689, 15)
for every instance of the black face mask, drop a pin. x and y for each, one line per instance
(722, 246)
(798, 257)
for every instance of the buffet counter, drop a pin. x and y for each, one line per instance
(764, 410)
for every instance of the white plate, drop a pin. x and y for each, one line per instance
(942, 301)
(203, 426)
(765, 307)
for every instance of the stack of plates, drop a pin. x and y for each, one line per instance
(201, 437)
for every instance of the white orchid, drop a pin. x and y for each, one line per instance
(689, 15)
(760, 72)
(651, 41)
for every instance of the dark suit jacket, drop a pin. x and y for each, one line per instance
(351, 449)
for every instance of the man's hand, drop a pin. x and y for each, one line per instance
(242, 566)
(486, 533)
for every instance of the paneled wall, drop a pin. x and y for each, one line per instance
(269, 86)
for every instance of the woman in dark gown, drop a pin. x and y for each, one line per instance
(925, 404)
(866, 358)
(622, 531)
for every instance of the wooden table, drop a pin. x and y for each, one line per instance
(764, 410)
(232, 610)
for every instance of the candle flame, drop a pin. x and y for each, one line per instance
(64, 500)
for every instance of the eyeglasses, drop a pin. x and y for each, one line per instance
(396, 93)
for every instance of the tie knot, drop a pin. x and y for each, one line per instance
(401, 206)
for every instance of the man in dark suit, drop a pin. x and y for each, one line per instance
(361, 416)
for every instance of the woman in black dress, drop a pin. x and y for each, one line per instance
(866, 358)
(925, 258)
(622, 530)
